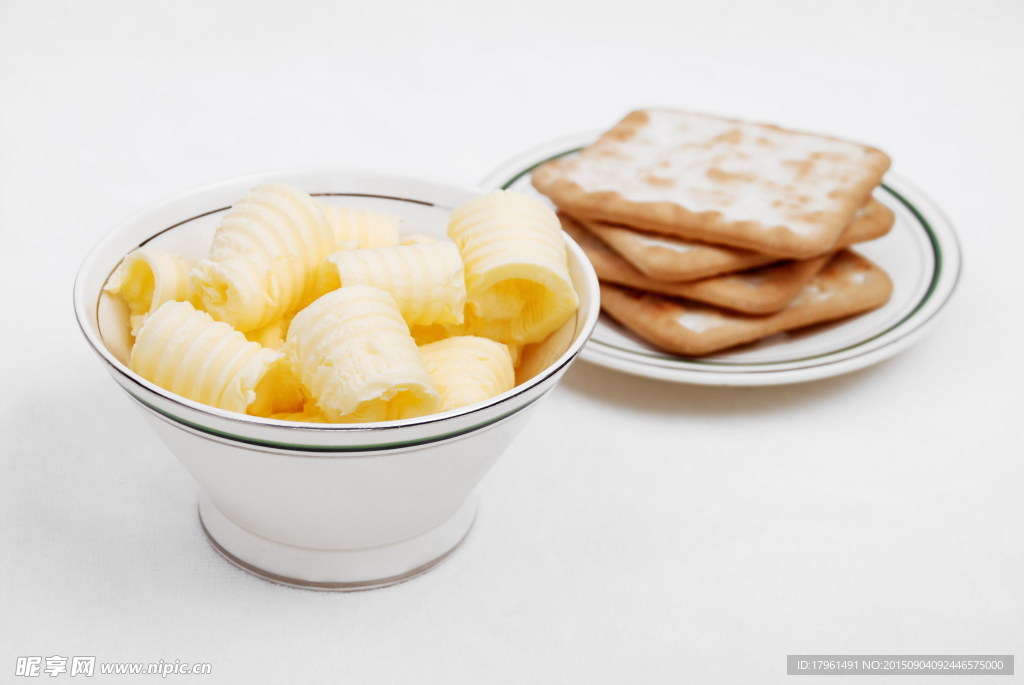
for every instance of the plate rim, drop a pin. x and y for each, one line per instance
(943, 280)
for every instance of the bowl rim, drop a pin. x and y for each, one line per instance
(83, 300)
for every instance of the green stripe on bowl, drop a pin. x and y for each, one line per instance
(380, 447)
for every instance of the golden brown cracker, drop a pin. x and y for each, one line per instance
(848, 285)
(726, 182)
(667, 258)
(758, 291)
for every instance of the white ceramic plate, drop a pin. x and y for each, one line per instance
(920, 254)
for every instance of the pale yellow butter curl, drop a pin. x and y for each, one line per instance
(468, 369)
(417, 239)
(264, 258)
(311, 413)
(518, 288)
(273, 334)
(185, 351)
(355, 357)
(279, 392)
(146, 278)
(364, 227)
(425, 279)
(516, 351)
(434, 332)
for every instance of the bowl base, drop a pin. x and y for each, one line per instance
(347, 570)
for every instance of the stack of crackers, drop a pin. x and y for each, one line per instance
(707, 233)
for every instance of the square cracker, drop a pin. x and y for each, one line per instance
(759, 291)
(716, 180)
(848, 285)
(665, 258)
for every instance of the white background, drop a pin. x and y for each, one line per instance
(637, 531)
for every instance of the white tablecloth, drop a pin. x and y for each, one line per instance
(637, 531)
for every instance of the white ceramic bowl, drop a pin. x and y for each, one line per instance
(337, 507)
